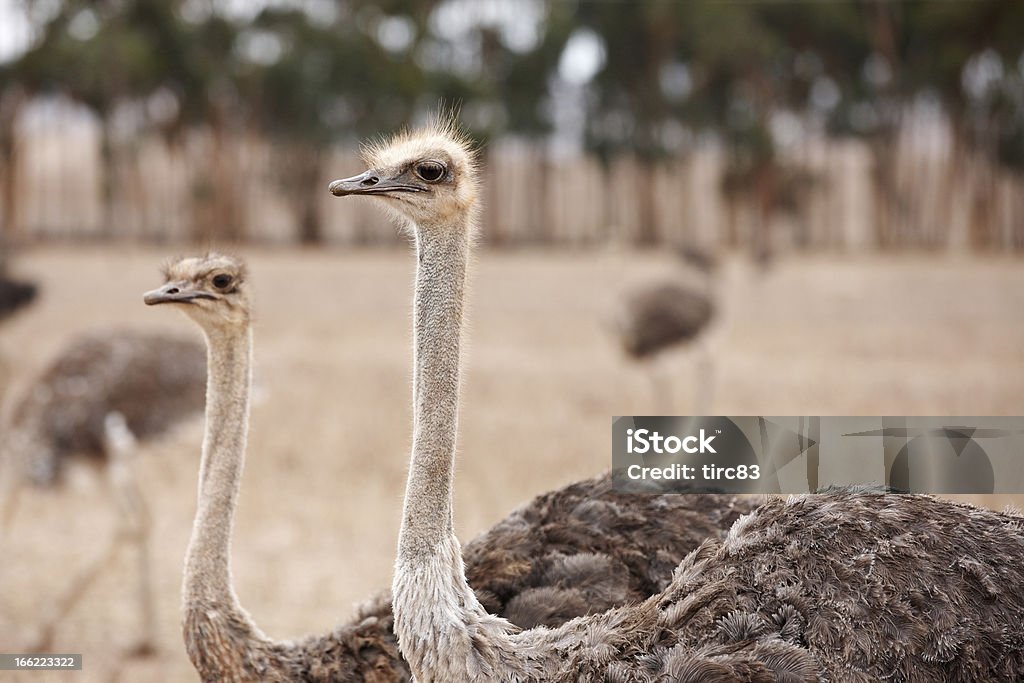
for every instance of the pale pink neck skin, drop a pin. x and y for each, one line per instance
(229, 377)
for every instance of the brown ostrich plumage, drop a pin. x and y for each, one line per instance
(14, 295)
(579, 550)
(658, 316)
(153, 380)
(701, 259)
(584, 548)
(847, 586)
(840, 587)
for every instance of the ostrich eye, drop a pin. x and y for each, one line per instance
(431, 171)
(222, 281)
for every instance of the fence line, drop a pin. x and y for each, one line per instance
(236, 186)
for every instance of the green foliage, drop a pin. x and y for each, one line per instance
(672, 71)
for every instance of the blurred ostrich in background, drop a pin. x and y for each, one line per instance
(672, 313)
(15, 295)
(100, 396)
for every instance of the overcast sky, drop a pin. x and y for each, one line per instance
(518, 20)
(15, 31)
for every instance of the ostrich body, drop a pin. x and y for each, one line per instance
(669, 313)
(151, 380)
(844, 586)
(99, 397)
(14, 295)
(659, 316)
(581, 549)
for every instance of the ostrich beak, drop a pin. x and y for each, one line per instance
(371, 182)
(174, 293)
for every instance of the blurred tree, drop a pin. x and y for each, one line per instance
(96, 61)
(497, 69)
(887, 57)
(306, 75)
(12, 99)
(703, 65)
(971, 57)
(628, 106)
(109, 54)
(311, 81)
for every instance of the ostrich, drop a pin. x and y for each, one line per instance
(849, 585)
(655, 317)
(577, 550)
(102, 394)
(700, 259)
(14, 295)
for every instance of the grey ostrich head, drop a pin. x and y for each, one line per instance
(212, 290)
(427, 176)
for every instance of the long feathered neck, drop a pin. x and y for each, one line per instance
(437, 330)
(222, 641)
(220, 638)
(229, 376)
(433, 603)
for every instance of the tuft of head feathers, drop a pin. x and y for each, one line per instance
(198, 268)
(442, 132)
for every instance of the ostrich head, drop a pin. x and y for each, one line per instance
(426, 176)
(211, 289)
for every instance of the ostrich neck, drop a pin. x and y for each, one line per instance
(437, 316)
(229, 375)
(443, 631)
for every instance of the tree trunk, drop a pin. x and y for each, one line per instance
(541, 228)
(957, 191)
(11, 104)
(108, 172)
(886, 195)
(765, 192)
(494, 226)
(308, 194)
(647, 227)
(216, 212)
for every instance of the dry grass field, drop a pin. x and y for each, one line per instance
(319, 511)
